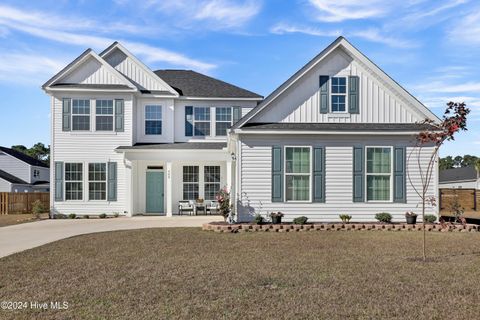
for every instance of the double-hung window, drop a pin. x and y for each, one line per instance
(97, 181)
(339, 94)
(223, 117)
(80, 115)
(297, 173)
(379, 173)
(201, 120)
(212, 181)
(153, 120)
(190, 182)
(73, 181)
(104, 115)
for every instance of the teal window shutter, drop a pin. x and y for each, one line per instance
(277, 174)
(358, 175)
(319, 174)
(112, 181)
(188, 121)
(66, 114)
(58, 181)
(399, 175)
(354, 94)
(237, 114)
(119, 115)
(324, 96)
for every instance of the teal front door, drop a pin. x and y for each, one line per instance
(154, 192)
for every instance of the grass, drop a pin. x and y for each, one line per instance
(192, 274)
(11, 219)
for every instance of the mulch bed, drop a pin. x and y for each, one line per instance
(333, 226)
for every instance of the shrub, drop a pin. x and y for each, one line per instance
(72, 216)
(300, 220)
(384, 217)
(86, 216)
(258, 219)
(60, 216)
(430, 218)
(345, 218)
(116, 214)
(37, 208)
(102, 216)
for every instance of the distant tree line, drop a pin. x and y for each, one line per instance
(467, 160)
(39, 151)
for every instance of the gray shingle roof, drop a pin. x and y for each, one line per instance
(189, 83)
(10, 178)
(336, 126)
(176, 146)
(458, 174)
(23, 157)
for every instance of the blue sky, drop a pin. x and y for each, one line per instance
(431, 47)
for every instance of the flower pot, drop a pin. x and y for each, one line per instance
(411, 219)
(276, 220)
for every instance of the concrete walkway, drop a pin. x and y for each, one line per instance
(29, 235)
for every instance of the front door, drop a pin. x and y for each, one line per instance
(154, 192)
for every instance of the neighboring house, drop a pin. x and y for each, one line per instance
(332, 139)
(459, 178)
(22, 173)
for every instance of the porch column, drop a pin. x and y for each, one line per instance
(229, 175)
(169, 190)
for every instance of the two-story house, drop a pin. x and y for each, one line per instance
(332, 139)
(22, 173)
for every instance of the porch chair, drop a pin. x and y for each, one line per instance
(185, 205)
(213, 206)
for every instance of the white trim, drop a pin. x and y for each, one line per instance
(49, 89)
(219, 98)
(307, 132)
(310, 175)
(379, 174)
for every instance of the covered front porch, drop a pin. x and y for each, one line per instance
(158, 179)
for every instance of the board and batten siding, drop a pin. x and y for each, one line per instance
(134, 71)
(255, 179)
(89, 147)
(378, 102)
(180, 116)
(91, 72)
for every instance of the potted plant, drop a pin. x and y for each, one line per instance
(411, 217)
(276, 217)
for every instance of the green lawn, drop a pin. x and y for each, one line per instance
(193, 274)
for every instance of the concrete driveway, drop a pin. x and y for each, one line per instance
(29, 235)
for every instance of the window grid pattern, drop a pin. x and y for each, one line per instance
(223, 120)
(339, 94)
(201, 121)
(379, 173)
(73, 181)
(212, 181)
(104, 115)
(297, 173)
(190, 182)
(153, 120)
(97, 181)
(80, 115)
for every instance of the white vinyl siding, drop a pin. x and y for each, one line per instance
(255, 175)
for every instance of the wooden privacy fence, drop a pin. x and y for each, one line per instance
(12, 202)
(467, 198)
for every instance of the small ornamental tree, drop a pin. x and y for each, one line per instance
(223, 198)
(435, 134)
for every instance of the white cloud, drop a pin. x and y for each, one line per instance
(34, 26)
(444, 87)
(28, 68)
(226, 13)
(466, 30)
(341, 10)
(373, 35)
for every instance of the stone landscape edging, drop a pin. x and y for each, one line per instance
(247, 227)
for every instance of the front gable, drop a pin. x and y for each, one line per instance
(133, 69)
(301, 99)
